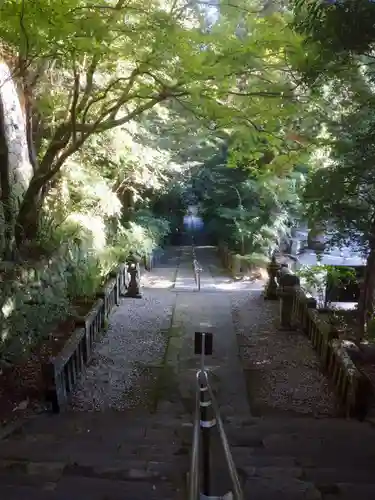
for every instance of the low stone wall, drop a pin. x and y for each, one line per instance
(235, 263)
(347, 380)
(226, 256)
(62, 372)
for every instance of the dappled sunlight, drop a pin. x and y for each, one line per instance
(162, 279)
(344, 306)
(158, 283)
(93, 229)
(205, 324)
(8, 307)
(267, 361)
(233, 286)
(4, 334)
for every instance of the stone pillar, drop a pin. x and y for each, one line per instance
(270, 292)
(289, 283)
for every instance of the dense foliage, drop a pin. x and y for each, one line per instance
(249, 209)
(339, 40)
(133, 109)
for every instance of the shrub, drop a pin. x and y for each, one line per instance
(84, 274)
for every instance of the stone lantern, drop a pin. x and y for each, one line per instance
(133, 290)
(270, 292)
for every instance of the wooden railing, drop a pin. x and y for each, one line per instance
(109, 295)
(62, 373)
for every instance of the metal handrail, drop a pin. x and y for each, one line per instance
(196, 267)
(197, 273)
(194, 469)
(238, 494)
(194, 466)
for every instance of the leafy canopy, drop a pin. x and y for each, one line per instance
(91, 66)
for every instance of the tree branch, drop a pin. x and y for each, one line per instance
(60, 141)
(131, 80)
(89, 83)
(73, 107)
(262, 94)
(101, 126)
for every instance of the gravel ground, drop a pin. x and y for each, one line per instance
(282, 369)
(136, 338)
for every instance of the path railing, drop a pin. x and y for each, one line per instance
(206, 417)
(196, 266)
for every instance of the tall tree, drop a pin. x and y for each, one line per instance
(87, 67)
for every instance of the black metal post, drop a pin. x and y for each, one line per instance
(205, 429)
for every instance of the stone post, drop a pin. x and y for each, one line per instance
(270, 292)
(289, 283)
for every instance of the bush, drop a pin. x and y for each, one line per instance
(78, 251)
(84, 274)
(141, 236)
(256, 259)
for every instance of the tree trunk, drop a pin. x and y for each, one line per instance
(6, 212)
(127, 199)
(28, 215)
(366, 300)
(16, 170)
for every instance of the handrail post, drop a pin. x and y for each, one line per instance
(204, 403)
(205, 429)
(206, 423)
(207, 415)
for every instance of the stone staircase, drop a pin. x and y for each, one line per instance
(113, 456)
(94, 456)
(290, 458)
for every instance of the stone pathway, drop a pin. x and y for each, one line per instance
(208, 310)
(147, 357)
(145, 366)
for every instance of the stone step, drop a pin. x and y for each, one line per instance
(291, 483)
(84, 488)
(81, 488)
(326, 477)
(66, 423)
(308, 425)
(117, 436)
(349, 491)
(31, 473)
(294, 489)
(324, 457)
(89, 451)
(22, 480)
(102, 430)
(311, 441)
(321, 477)
(251, 432)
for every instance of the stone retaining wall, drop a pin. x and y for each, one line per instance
(347, 380)
(299, 310)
